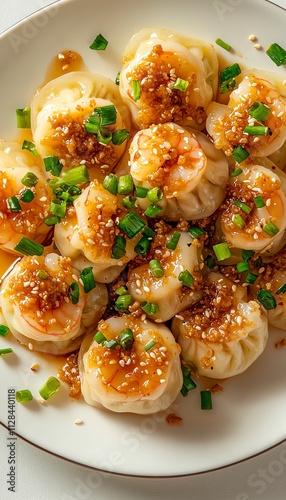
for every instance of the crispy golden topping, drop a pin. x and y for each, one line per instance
(173, 419)
(69, 373)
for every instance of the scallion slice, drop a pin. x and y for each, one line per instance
(104, 135)
(271, 229)
(196, 231)
(247, 254)
(130, 202)
(125, 184)
(30, 146)
(51, 386)
(181, 85)
(243, 206)
(76, 175)
(23, 396)
(230, 72)
(227, 86)
(149, 308)
(173, 242)
(277, 54)
(131, 224)
(29, 247)
(7, 350)
(242, 266)
(153, 210)
(4, 330)
(251, 278)
(110, 344)
(119, 136)
(266, 299)
(51, 221)
(23, 116)
(13, 204)
(281, 289)
(42, 274)
(210, 262)
(240, 154)
(105, 115)
(122, 290)
(27, 196)
(29, 179)
(188, 383)
(259, 111)
(87, 279)
(236, 172)
(239, 221)
(58, 207)
(123, 302)
(141, 192)
(150, 344)
(147, 231)
(186, 278)
(223, 45)
(99, 43)
(143, 245)
(99, 337)
(110, 183)
(206, 400)
(53, 165)
(118, 249)
(256, 130)
(156, 268)
(74, 292)
(259, 201)
(117, 78)
(126, 338)
(136, 90)
(222, 251)
(155, 194)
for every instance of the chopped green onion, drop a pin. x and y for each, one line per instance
(122, 290)
(153, 210)
(186, 278)
(239, 221)
(258, 262)
(23, 396)
(99, 337)
(136, 90)
(58, 207)
(266, 299)
(123, 302)
(181, 85)
(141, 192)
(256, 130)
(277, 54)
(222, 251)
(30, 146)
(206, 400)
(173, 242)
(270, 229)
(126, 338)
(247, 254)
(53, 165)
(223, 44)
(8, 350)
(282, 289)
(125, 184)
(227, 86)
(110, 344)
(131, 224)
(51, 221)
(23, 116)
(105, 115)
(92, 128)
(110, 183)
(147, 231)
(156, 268)
(196, 231)
(99, 43)
(74, 292)
(42, 274)
(119, 136)
(240, 154)
(118, 249)
(143, 245)
(76, 175)
(29, 179)
(13, 204)
(188, 383)
(236, 172)
(243, 206)
(130, 202)
(51, 386)
(4, 330)
(149, 345)
(29, 247)
(155, 194)
(104, 136)
(117, 78)
(150, 309)
(210, 261)
(87, 279)
(27, 196)
(251, 278)
(230, 72)
(259, 111)
(242, 266)
(259, 201)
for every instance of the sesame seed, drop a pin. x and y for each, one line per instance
(31, 347)
(138, 291)
(146, 289)
(179, 317)
(122, 363)
(257, 46)
(280, 114)
(239, 320)
(41, 400)
(252, 38)
(159, 372)
(35, 367)
(78, 421)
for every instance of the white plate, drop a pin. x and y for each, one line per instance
(249, 415)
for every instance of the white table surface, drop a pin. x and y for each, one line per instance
(41, 476)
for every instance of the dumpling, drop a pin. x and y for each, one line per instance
(60, 111)
(188, 169)
(44, 304)
(226, 123)
(224, 333)
(142, 377)
(175, 78)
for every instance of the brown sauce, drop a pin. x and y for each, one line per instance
(64, 62)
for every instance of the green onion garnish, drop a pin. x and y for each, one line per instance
(149, 308)
(186, 278)
(74, 292)
(266, 299)
(30, 146)
(118, 249)
(210, 262)
(125, 184)
(259, 201)
(206, 400)
(42, 274)
(23, 116)
(76, 175)
(51, 386)
(126, 338)
(247, 254)
(51, 221)
(129, 202)
(58, 207)
(110, 183)
(155, 194)
(230, 72)
(122, 290)
(153, 210)
(227, 86)
(188, 383)
(222, 251)
(4, 330)
(258, 262)
(104, 115)
(270, 229)
(13, 204)
(143, 245)
(277, 54)
(23, 396)
(150, 345)
(29, 247)
(110, 344)
(29, 179)
(27, 196)
(87, 279)
(117, 78)
(119, 136)
(123, 302)
(136, 90)
(53, 165)
(147, 231)
(131, 224)
(181, 85)
(223, 44)
(8, 350)
(99, 43)
(243, 206)
(259, 111)
(256, 130)
(242, 266)
(141, 192)
(196, 231)
(173, 242)
(99, 337)
(239, 221)
(236, 172)
(240, 154)
(156, 268)
(251, 278)
(282, 289)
